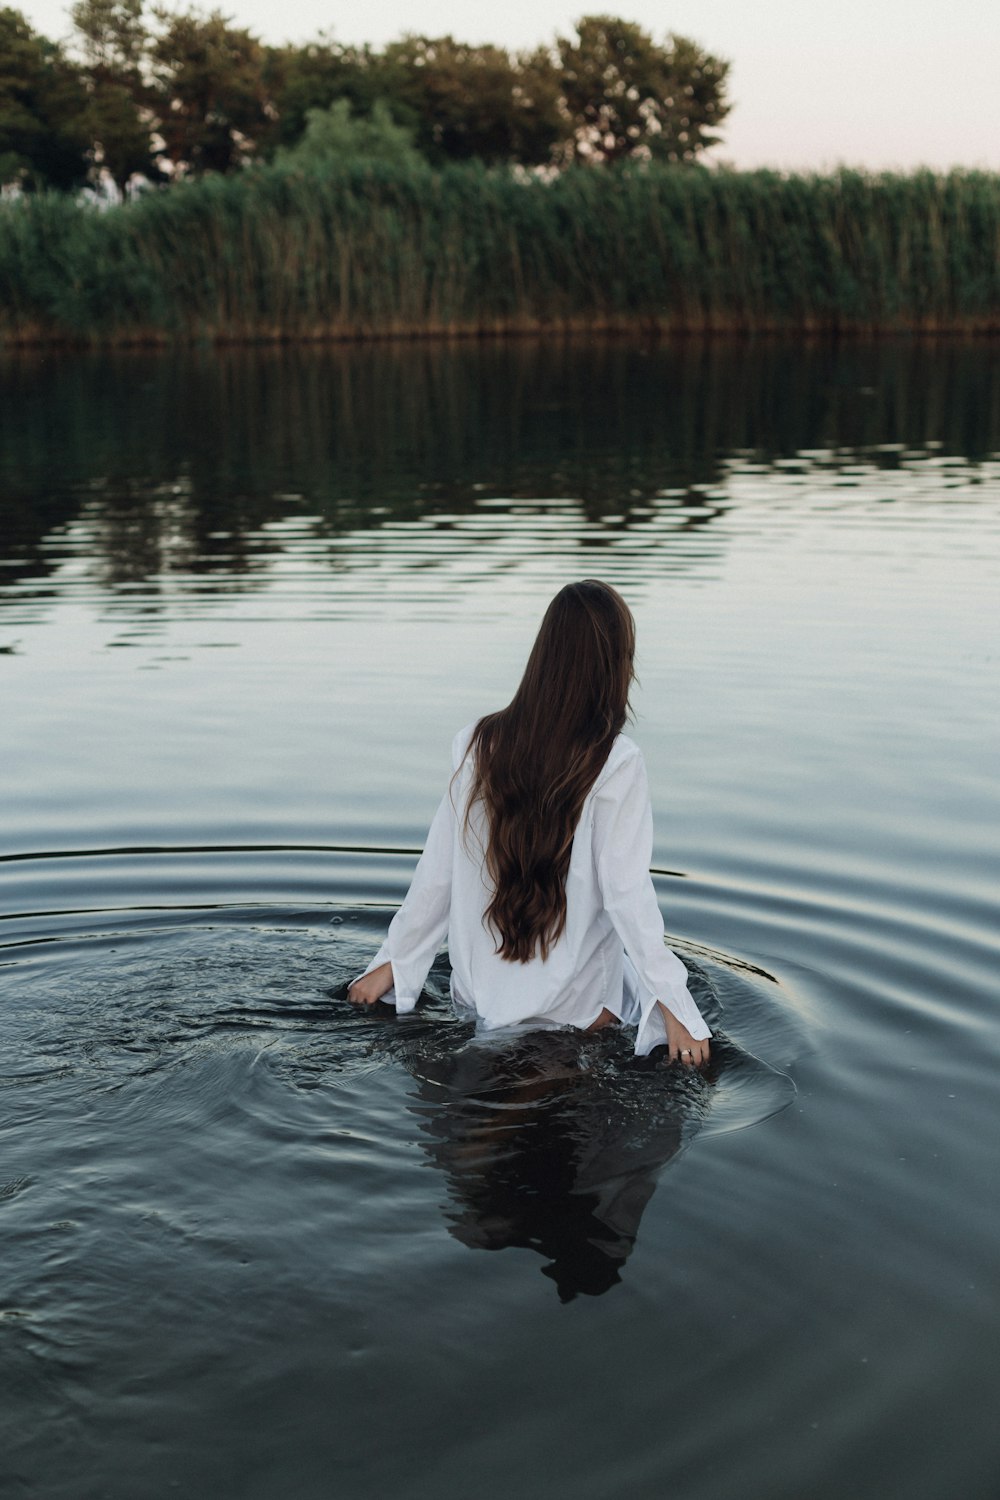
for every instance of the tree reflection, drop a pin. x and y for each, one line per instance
(194, 462)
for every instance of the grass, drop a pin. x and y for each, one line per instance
(375, 249)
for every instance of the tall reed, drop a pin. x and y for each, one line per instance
(374, 249)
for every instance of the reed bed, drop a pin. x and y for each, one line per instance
(375, 250)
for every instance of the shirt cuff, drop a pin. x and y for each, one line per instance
(652, 1030)
(403, 1002)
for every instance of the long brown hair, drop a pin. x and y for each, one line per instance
(536, 760)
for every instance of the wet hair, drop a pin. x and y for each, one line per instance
(536, 760)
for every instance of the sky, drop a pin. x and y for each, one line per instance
(879, 84)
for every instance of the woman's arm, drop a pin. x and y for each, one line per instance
(623, 848)
(399, 969)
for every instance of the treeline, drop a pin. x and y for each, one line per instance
(375, 248)
(136, 98)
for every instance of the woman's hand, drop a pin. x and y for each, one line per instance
(683, 1047)
(371, 987)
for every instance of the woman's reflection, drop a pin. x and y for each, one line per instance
(553, 1142)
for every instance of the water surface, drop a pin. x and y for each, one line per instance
(257, 1243)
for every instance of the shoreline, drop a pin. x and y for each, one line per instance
(541, 330)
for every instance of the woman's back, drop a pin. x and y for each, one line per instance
(583, 965)
(536, 865)
(534, 763)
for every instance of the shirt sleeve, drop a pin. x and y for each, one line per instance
(623, 850)
(420, 925)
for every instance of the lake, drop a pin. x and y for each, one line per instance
(259, 1244)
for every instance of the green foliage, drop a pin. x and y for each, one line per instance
(69, 270)
(208, 93)
(468, 102)
(121, 132)
(192, 93)
(624, 94)
(335, 134)
(375, 247)
(44, 138)
(113, 38)
(314, 76)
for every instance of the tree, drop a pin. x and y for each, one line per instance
(113, 39)
(43, 133)
(473, 101)
(113, 35)
(312, 77)
(337, 134)
(208, 91)
(121, 130)
(625, 95)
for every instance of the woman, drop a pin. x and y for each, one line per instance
(536, 865)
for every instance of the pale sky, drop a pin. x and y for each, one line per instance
(870, 83)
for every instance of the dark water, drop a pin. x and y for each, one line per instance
(258, 1244)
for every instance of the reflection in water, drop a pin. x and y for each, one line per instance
(553, 1141)
(189, 464)
(542, 1152)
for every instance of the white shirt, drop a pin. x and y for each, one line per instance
(611, 954)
